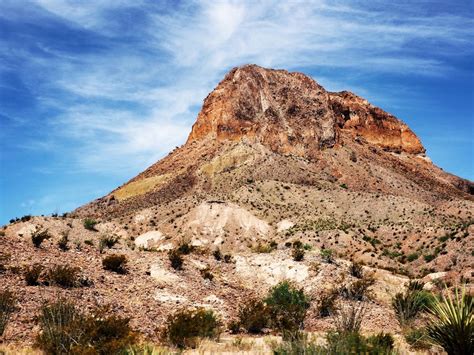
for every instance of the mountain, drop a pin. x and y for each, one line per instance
(272, 161)
(271, 149)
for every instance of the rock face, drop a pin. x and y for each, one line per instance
(292, 113)
(357, 116)
(272, 125)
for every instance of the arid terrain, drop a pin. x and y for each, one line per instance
(272, 159)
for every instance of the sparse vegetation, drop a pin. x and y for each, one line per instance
(107, 241)
(116, 263)
(66, 330)
(90, 224)
(288, 306)
(63, 275)
(32, 274)
(39, 237)
(327, 255)
(298, 254)
(356, 269)
(349, 317)
(452, 322)
(63, 242)
(327, 304)
(359, 289)
(254, 316)
(7, 307)
(187, 326)
(176, 259)
(417, 338)
(407, 305)
(207, 274)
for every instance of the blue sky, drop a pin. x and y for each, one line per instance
(94, 91)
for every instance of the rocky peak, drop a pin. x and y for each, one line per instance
(292, 113)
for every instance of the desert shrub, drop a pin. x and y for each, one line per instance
(253, 316)
(227, 258)
(356, 269)
(207, 274)
(66, 330)
(116, 263)
(234, 327)
(407, 305)
(63, 242)
(297, 254)
(359, 289)
(90, 224)
(349, 317)
(7, 307)
(32, 274)
(185, 248)
(217, 254)
(107, 241)
(288, 306)
(327, 304)
(64, 276)
(417, 338)
(176, 259)
(185, 327)
(355, 343)
(412, 257)
(89, 242)
(452, 322)
(327, 255)
(429, 257)
(339, 343)
(415, 286)
(4, 260)
(39, 237)
(264, 247)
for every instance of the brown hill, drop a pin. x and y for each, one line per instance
(272, 159)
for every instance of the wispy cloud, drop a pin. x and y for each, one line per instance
(128, 102)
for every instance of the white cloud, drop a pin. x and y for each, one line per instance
(184, 52)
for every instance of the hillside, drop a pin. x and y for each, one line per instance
(272, 161)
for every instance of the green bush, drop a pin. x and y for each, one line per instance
(288, 306)
(32, 274)
(417, 338)
(452, 323)
(327, 255)
(407, 305)
(254, 316)
(412, 257)
(63, 275)
(7, 307)
(90, 224)
(39, 237)
(176, 259)
(186, 327)
(429, 257)
(116, 263)
(66, 330)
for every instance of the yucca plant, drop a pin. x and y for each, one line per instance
(407, 305)
(452, 323)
